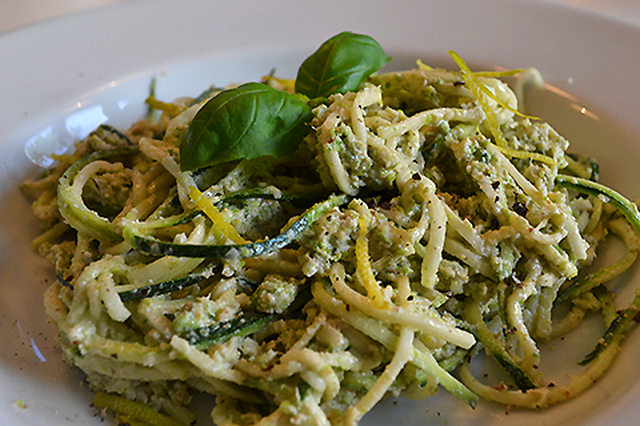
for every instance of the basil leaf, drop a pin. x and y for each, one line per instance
(249, 121)
(340, 65)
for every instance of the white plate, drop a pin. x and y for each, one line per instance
(60, 78)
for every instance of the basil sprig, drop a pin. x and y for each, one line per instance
(340, 65)
(248, 121)
(254, 120)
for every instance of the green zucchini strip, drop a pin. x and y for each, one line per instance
(156, 247)
(162, 288)
(133, 409)
(242, 326)
(615, 332)
(146, 291)
(495, 348)
(245, 194)
(607, 307)
(628, 209)
(72, 207)
(609, 272)
(602, 275)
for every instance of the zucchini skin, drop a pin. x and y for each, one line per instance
(628, 209)
(244, 325)
(502, 357)
(155, 247)
(162, 288)
(616, 330)
(152, 289)
(495, 348)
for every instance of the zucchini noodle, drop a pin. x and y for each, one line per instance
(422, 219)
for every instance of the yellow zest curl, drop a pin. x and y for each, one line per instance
(219, 221)
(364, 269)
(481, 92)
(515, 153)
(169, 108)
(423, 66)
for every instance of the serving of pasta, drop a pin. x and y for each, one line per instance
(301, 249)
